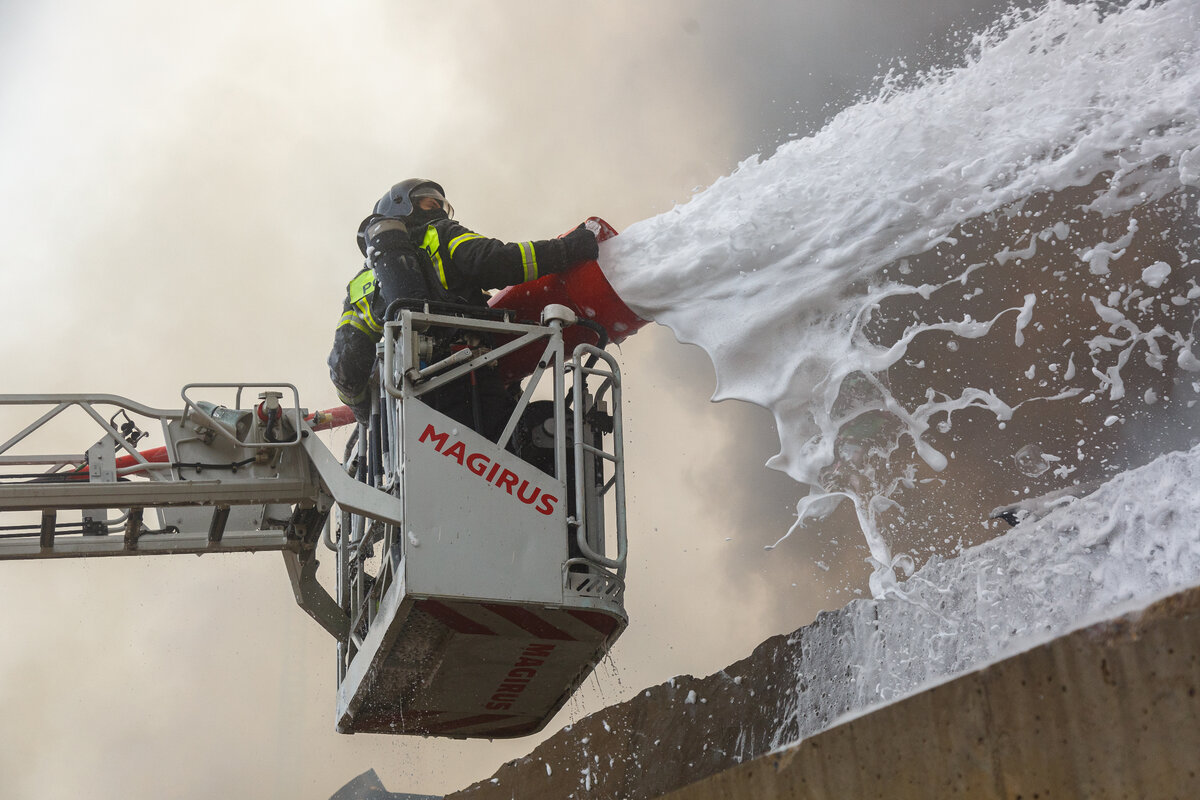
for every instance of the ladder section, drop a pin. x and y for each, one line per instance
(600, 487)
(219, 479)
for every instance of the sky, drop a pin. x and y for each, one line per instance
(179, 192)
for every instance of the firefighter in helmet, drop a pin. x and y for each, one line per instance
(416, 250)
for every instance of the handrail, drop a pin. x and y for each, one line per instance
(87, 404)
(219, 428)
(581, 447)
(528, 335)
(73, 398)
(84, 401)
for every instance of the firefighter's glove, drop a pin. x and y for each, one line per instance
(387, 234)
(580, 245)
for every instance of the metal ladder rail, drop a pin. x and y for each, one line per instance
(53, 491)
(580, 401)
(306, 478)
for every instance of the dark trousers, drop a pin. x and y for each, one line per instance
(350, 363)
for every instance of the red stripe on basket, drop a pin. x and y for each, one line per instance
(452, 619)
(526, 620)
(594, 619)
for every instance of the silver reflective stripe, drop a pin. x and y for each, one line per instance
(528, 260)
(456, 241)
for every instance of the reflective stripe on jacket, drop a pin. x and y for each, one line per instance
(459, 265)
(464, 263)
(356, 310)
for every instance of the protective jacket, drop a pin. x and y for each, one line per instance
(444, 261)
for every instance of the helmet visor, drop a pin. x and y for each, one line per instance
(422, 193)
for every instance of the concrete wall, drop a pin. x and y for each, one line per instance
(1107, 712)
(1110, 711)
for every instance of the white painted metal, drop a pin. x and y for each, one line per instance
(467, 537)
(473, 590)
(201, 472)
(225, 480)
(589, 455)
(481, 577)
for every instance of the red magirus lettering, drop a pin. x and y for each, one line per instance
(518, 678)
(457, 451)
(508, 480)
(477, 463)
(511, 687)
(491, 471)
(547, 505)
(439, 439)
(530, 662)
(521, 493)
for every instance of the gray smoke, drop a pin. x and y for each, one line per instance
(181, 186)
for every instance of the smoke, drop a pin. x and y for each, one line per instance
(181, 186)
(788, 66)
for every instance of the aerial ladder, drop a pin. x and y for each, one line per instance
(478, 580)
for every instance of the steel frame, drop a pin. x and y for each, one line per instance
(228, 481)
(245, 494)
(373, 602)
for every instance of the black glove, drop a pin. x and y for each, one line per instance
(388, 233)
(580, 245)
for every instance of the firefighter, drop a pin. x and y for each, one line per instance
(416, 250)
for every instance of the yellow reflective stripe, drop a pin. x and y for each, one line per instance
(364, 313)
(455, 242)
(352, 319)
(362, 286)
(360, 290)
(528, 260)
(433, 245)
(356, 399)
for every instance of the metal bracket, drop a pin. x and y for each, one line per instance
(311, 595)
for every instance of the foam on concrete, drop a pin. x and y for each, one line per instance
(1130, 543)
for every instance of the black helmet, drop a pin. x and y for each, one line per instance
(398, 203)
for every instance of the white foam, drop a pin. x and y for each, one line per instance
(1154, 275)
(777, 269)
(1133, 540)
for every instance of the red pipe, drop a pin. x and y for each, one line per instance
(157, 455)
(330, 418)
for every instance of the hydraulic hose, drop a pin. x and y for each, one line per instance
(601, 338)
(598, 329)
